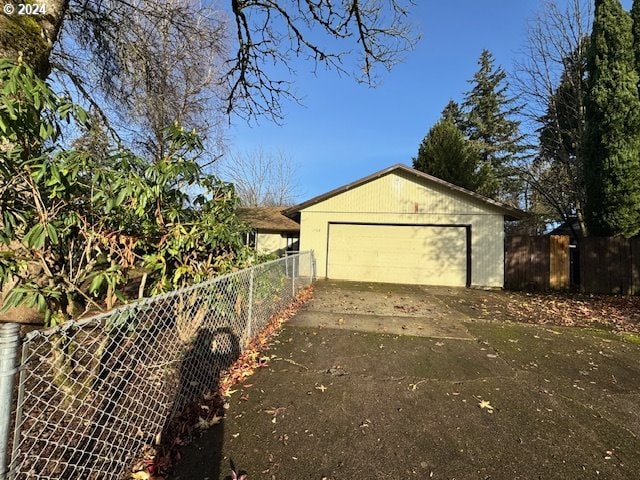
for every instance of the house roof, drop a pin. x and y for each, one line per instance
(267, 218)
(565, 228)
(511, 213)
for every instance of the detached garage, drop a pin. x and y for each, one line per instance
(400, 225)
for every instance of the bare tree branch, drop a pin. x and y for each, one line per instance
(271, 32)
(150, 61)
(550, 80)
(262, 178)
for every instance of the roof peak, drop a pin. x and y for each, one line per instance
(508, 210)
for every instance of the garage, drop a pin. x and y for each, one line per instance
(403, 226)
(378, 253)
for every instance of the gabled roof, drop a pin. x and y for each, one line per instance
(511, 213)
(267, 218)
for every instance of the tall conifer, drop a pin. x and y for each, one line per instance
(454, 114)
(491, 126)
(612, 133)
(446, 154)
(635, 17)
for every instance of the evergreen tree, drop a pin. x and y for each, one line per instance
(490, 125)
(446, 154)
(612, 130)
(454, 114)
(635, 17)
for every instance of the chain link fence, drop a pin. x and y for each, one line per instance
(93, 394)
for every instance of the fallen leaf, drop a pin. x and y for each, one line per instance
(204, 424)
(413, 386)
(141, 475)
(486, 405)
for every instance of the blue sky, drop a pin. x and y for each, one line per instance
(346, 130)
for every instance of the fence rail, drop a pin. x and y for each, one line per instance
(93, 394)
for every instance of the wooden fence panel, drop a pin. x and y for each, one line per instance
(635, 265)
(516, 255)
(527, 262)
(610, 265)
(539, 257)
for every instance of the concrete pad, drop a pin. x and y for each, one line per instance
(417, 326)
(386, 356)
(380, 299)
(382, 308)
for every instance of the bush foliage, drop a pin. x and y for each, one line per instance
(75, 226)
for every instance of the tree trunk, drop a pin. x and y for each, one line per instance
(32, 36)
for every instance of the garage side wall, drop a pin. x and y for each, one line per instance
(402, 199)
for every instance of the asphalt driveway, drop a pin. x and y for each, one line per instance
(375, 381)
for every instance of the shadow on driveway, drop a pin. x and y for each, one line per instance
(367, 398)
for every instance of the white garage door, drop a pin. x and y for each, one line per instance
(421, 255)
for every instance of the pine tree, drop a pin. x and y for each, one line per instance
(454, 114)
(446, 154)
(635, 17)
(490, 125)
(612, 131)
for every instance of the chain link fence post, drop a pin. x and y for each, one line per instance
(293, 276)
(250, 308)
(9, 342)
(312, 273)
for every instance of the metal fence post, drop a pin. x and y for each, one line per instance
(312, 273)
(9, 341)
(250, 309)
(293, 275)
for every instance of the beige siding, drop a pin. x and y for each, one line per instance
(401, 193)
(271, 243)
(399, 198)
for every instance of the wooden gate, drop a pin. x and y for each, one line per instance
(537, 262)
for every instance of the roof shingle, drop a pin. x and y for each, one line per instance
(267, 218)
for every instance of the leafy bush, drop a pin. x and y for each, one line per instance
(75, 225)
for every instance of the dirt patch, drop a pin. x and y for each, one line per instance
(618, 313)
